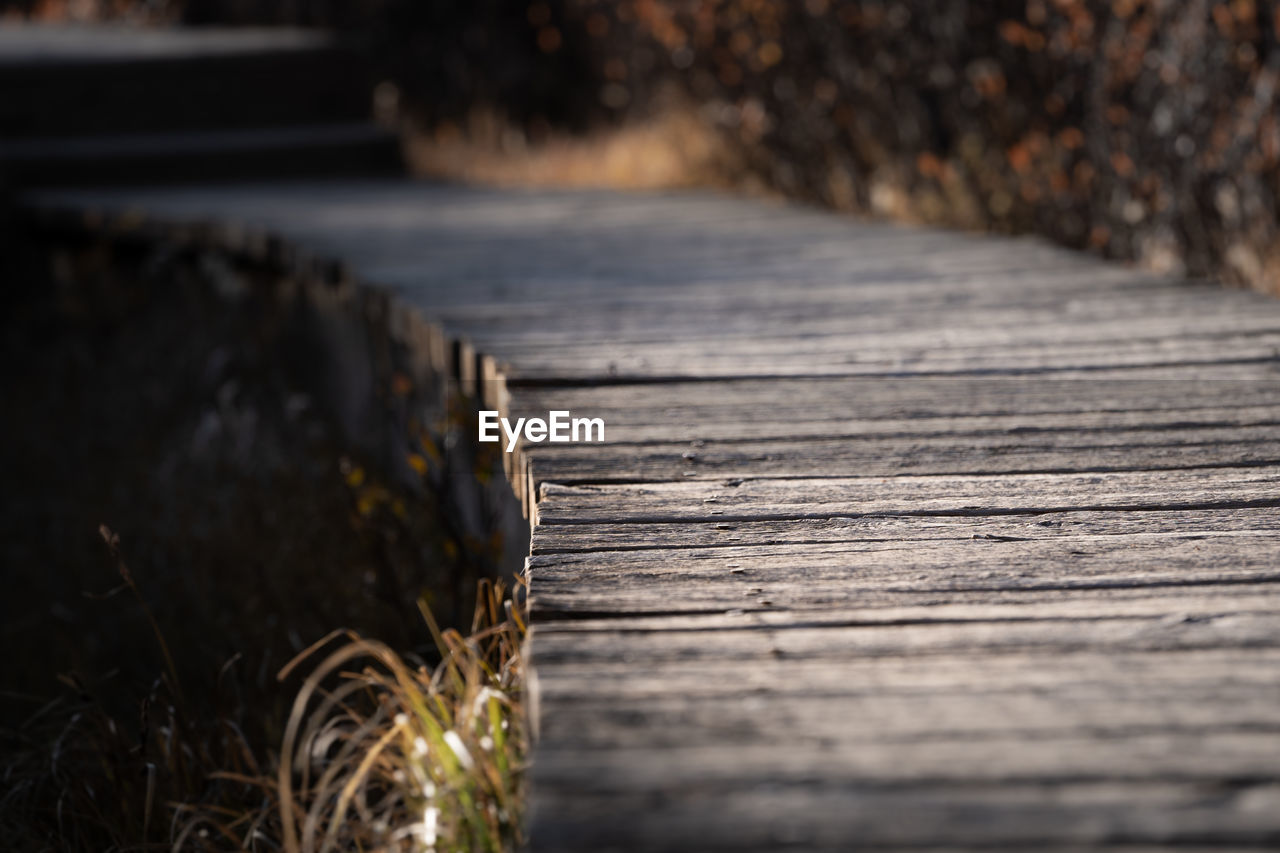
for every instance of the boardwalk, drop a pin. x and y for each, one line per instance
(898, 538)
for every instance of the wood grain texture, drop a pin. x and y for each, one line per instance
(898, 529)
(738, 499)
(897, 539)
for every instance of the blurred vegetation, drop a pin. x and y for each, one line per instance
(1143, 130)
(1138, 129)
(183, 519)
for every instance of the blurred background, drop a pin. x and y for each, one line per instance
(1140, 130)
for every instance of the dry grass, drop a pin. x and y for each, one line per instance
(678, 148)
(395, 755)
(384, 753)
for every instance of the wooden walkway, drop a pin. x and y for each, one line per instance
(101, 104)
(899, 539)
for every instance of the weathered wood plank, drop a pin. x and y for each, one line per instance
(834, 408)
(764, 635)
(657, 362)
(739, 500)
(672, 722)
(1199, 671)
(945, 579)
(792, 757)
(901, 530)
(1061, 816)
(872, 398)
(1211, 595)
(958, 453)
(1042, 338)
(874, 309)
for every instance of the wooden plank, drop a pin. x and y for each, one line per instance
(840, 334)
(792, 757)
(637, 680)
(750, 536)
(1137, 816)
(956, 453)
(940, 579)
(841, 407)
(765, 635)
(849, 357)
(869, 399)
(843, 333)
(1113, 597)
(745, 500)
(872, 309)
(673, 722)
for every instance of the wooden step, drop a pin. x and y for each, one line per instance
(77, 80)
(359, 148)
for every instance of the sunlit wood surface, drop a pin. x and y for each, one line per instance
(898, 538)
